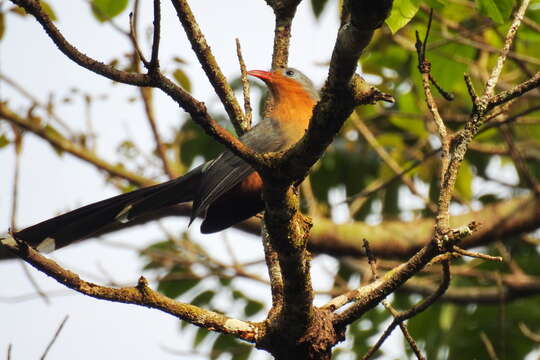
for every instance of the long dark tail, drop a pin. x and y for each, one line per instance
(65, 229)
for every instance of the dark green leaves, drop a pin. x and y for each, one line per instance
(3, 140)
(498, 10)
(105, 10)
(318, 7)
(182, 79)
(402, 12)
(2, 24)
(48, 10)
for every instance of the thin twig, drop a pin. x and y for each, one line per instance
(388, 160)
(48, 108)
(35, 284)
(373, 266)
(133, 34)
(379, 187)
(399, 318)
(209, 63)
(309, 197)
(56, 334)
(519, 162)
(507, 258)
(154, 60)
(161, 148)
(55, 139)
(246, 123)
(496, 72)
(529, 333)
(9, 351)
(476, 254)
(17, 142)
(274, 271)
(489, 346)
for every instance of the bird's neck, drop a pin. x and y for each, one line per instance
(293, 108)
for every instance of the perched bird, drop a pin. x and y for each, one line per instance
(225, 190)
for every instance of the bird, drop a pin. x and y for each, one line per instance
(225, 190)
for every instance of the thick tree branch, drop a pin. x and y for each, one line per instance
(284, 11)
(140, 295)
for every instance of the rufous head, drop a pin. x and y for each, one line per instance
(283, 81)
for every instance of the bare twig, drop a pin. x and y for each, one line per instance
(17, 142)
(196, 109)
(378, 187)
(209, 63)
(48, 109)
(274, 271)
(133, 34)
(154, 59)
(309, 197)
(496, 72)
(58, 141)
(388, 160)
(529, 333)
(400, 317)
(246, 124)
(489, 346)
(476, 254)
(148, 102)
(412, 343)
(519, 161)
(56, 334)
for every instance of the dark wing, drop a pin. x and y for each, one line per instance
(223, 173)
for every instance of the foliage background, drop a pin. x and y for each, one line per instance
(350, 165)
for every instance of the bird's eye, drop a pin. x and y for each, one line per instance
(289, 73)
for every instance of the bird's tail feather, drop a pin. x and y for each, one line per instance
(67, 228)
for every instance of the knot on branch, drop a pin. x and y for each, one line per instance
(321, 335)
(364, 93)
(447, 242)
(142, 286)
(424, 67)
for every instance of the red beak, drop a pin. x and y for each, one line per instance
(261, 74)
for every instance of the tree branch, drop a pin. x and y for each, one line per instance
(209, 63)
(196, 109)
(140, 295)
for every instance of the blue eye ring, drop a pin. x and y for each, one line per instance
(289, 73)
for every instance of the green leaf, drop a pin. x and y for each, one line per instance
(4, 141)
(177, 282)
(253, 307)
(203, 298)
(436, 4)
(48, 10)
(464, 181)
(318, 7)
(105, 10)
(2, 25)
(498, 10)
(200, 335)
(402, 12)
(182, 79)
(447, 71)
(175, 288)
(447, 316)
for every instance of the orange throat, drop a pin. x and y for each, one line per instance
(293, 108)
